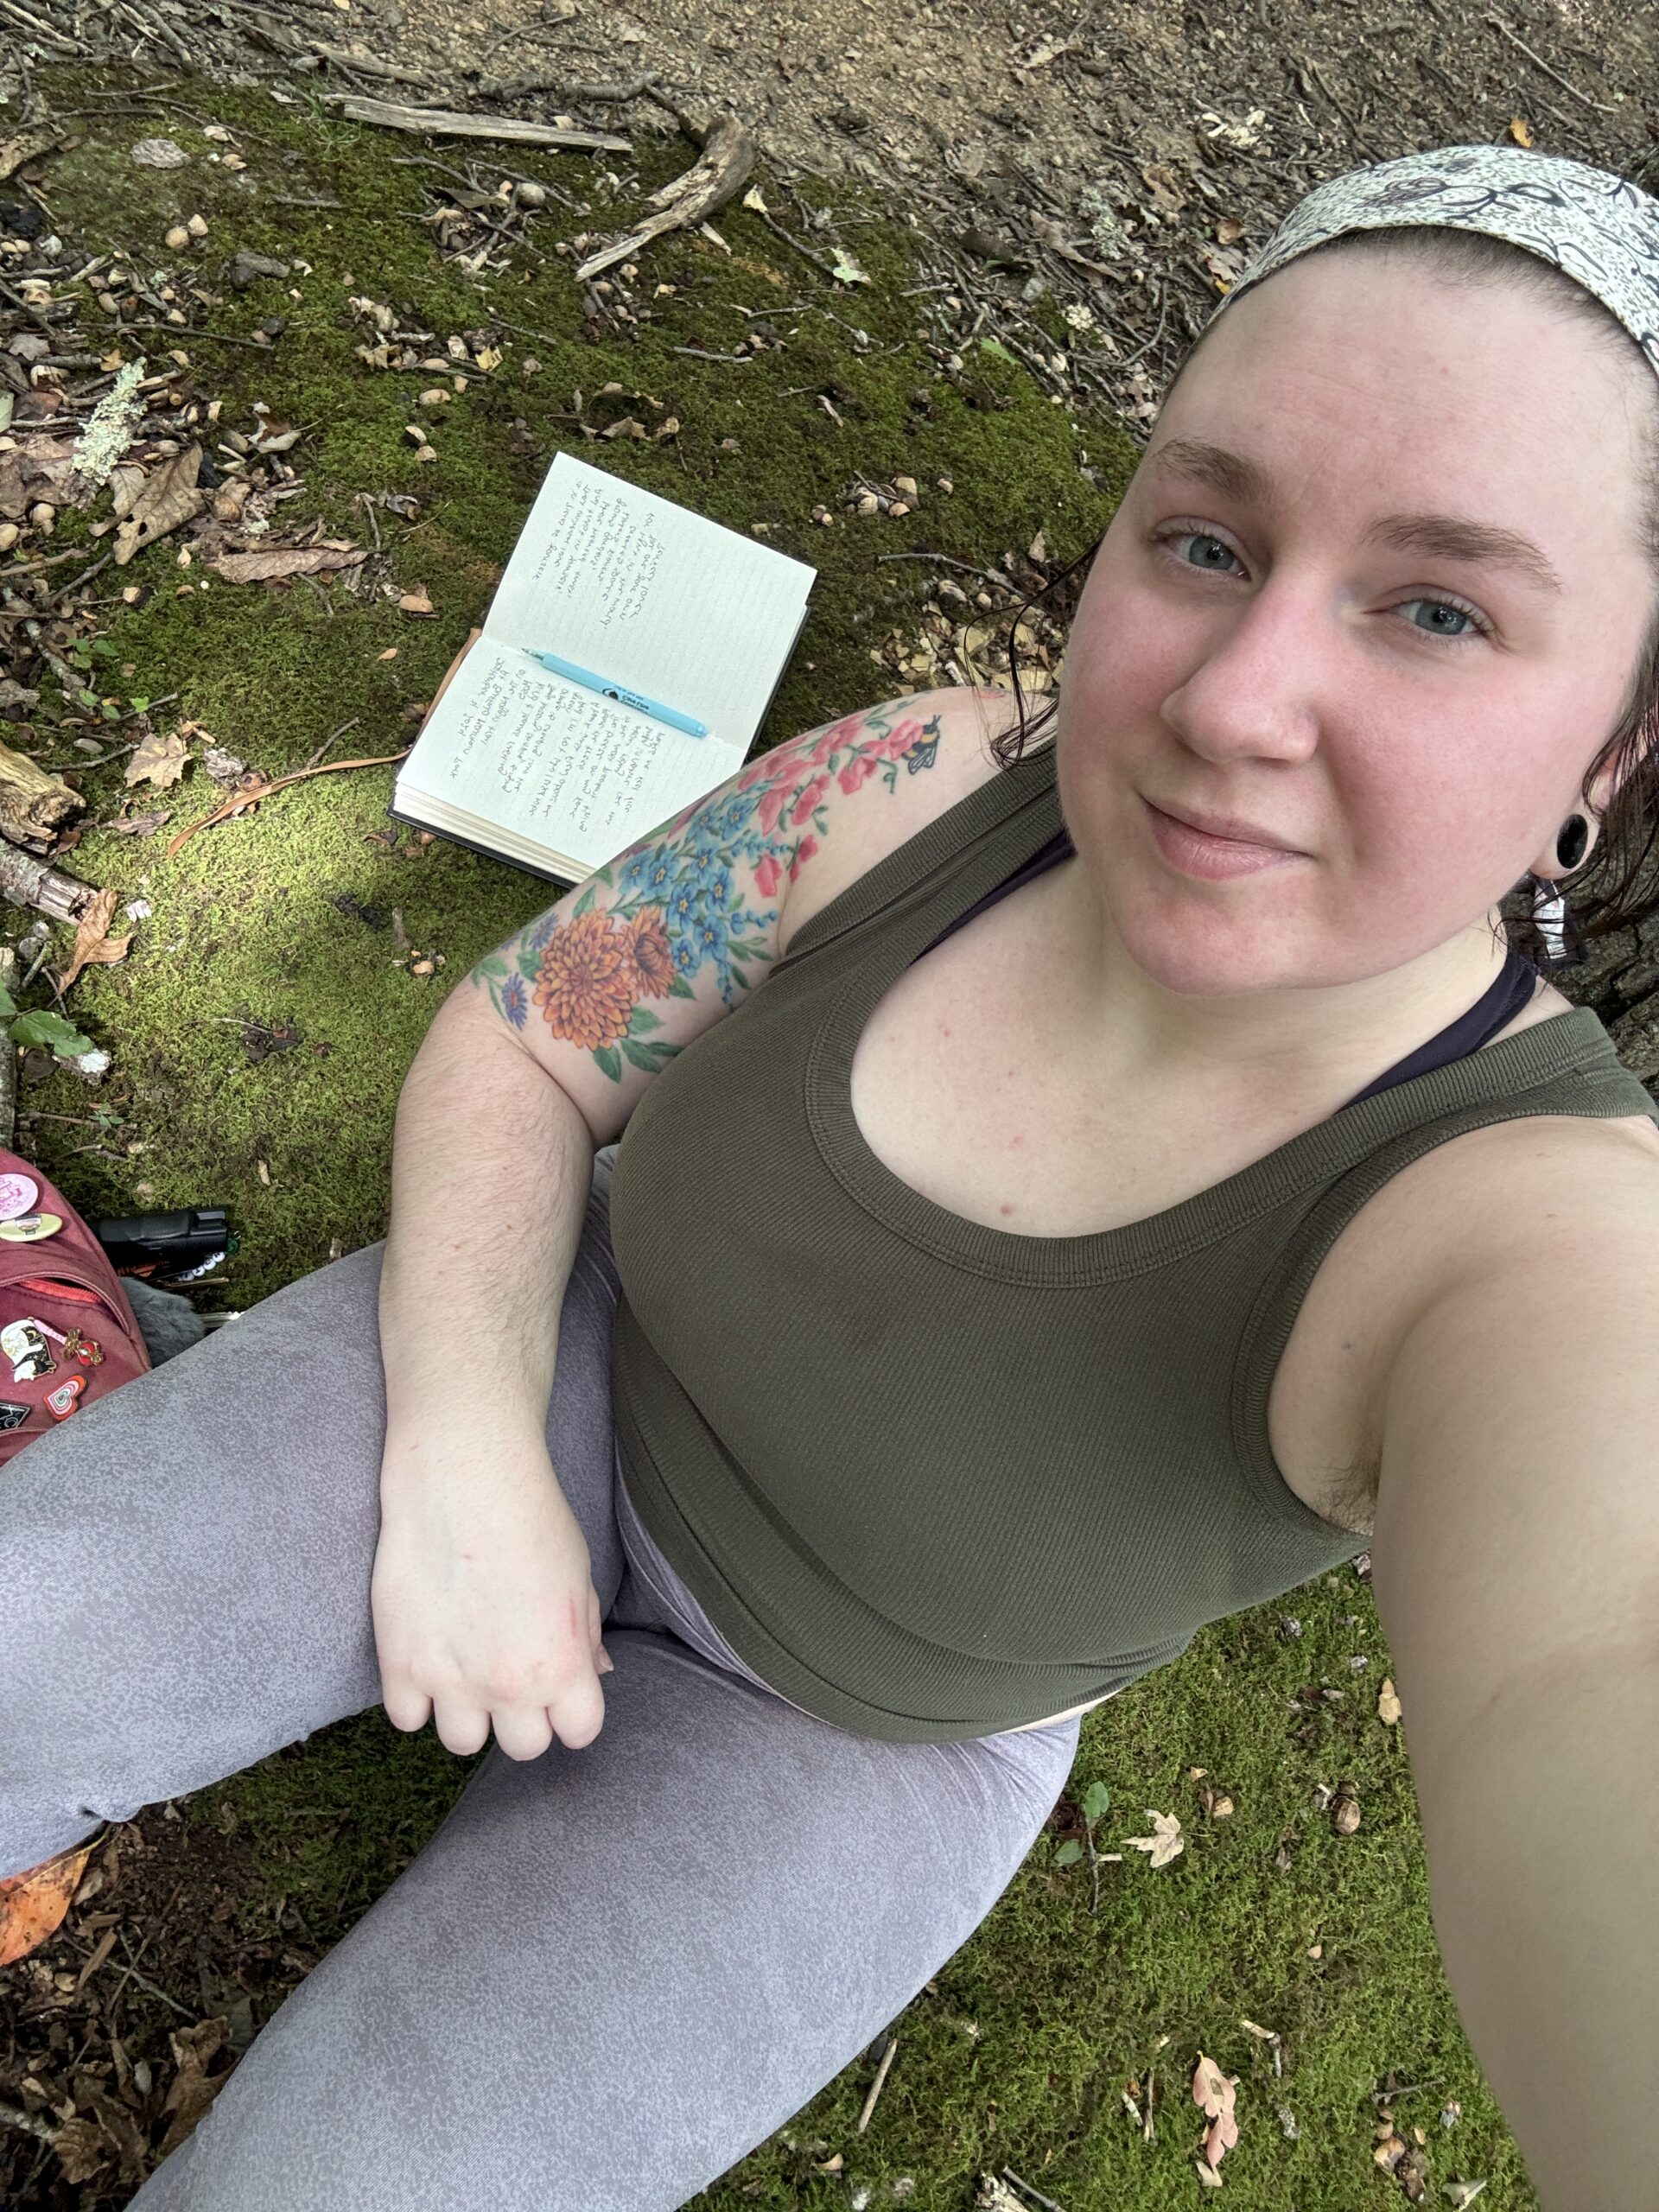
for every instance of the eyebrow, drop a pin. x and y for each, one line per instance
(1453, 537)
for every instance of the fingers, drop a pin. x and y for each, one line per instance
(405, 1708)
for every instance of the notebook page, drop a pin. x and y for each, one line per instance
(514, 745)
(659, 600)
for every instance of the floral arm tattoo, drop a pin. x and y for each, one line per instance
(677, 907)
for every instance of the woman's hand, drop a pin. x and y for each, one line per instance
(485, 1612)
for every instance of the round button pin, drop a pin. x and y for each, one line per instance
(29, 1228)
(18, 1195)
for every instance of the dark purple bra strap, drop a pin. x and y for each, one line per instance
(1493, 1011)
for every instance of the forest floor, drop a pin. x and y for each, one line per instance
(972, 251)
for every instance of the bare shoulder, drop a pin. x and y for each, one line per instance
(861, 786)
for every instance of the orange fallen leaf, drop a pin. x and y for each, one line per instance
(33, 1905)
(92, 944)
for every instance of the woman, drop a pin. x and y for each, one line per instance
(968, 1352)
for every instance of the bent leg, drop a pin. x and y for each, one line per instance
(613, 1972)
(187, 1563)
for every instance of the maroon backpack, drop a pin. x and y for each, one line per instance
(67, 1331)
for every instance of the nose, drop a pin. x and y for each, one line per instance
(1254, 689)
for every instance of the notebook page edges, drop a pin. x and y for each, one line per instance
(640, 590)
(554, 763)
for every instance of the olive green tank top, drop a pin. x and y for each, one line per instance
(932, 1479)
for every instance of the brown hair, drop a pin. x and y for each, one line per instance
(1612, 894)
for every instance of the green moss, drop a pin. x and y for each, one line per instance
(248, 927)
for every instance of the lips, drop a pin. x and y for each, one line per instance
(1222, 825)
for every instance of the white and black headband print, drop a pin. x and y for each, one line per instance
(1598, 228)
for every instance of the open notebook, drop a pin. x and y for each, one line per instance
(531, 767)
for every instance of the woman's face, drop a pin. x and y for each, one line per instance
(1412, 709)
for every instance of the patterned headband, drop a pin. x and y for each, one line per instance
(1598, 228)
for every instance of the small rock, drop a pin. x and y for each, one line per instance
(908, 486)
(178, 238)
(159, 154)
(20, 219)
(530, 195)
(197, 227)
(899, 507)
(9, 534)
(43, 517)
(246, 267)
(435, 398)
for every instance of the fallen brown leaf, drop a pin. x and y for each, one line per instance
(93, 946)
(160, 759)
(33, 1905)
(416, 602)
(137, 825)
(283, 560)
(191, 2093)
(170, 496)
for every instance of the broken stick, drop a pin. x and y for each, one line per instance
(443, 122)
(34, 804)
(27, 882)
(728, 152)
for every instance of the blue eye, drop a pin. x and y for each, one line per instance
(1452, 606)
(1479, 627)
(1199, 537)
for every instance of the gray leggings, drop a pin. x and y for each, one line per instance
(612, 1971)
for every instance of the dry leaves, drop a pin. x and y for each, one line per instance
(1214, 2092)
(159, 759)
(93, 946)
(1166, 1844)
(167, 496)
(416, 602)
(33, 1905)
(192, 2092)
(286, 561)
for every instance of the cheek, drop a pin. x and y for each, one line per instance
(1125, 652)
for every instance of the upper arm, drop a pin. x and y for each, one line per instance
(1516, 1531)
(631, 966)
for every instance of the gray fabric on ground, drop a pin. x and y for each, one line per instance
(612, 1971)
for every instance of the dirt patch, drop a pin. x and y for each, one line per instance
(1125, 159)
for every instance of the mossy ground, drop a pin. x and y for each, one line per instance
(1069, 2003)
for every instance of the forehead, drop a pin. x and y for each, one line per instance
(1394, 397)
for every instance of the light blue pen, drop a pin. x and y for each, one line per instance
(616, 692)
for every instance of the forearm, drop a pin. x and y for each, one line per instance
(491, 1168)
(1542, 1840)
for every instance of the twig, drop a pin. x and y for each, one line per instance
(523, 330)
(990, 576)
(789, 239)
(328, 742)
(1009, 2174)
(142, 1980)
(445, 123)
(179, 330)
(877, 2085)
(702, 353)
(569, 88)
(1600, 106)
(239, 799)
